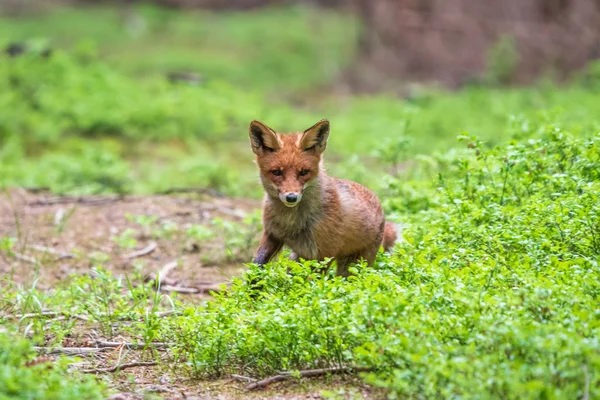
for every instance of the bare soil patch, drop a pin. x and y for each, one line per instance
(59, 236)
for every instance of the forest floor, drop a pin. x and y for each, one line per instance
(61, 237)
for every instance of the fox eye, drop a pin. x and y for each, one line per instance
(304, 172)
(277, 172)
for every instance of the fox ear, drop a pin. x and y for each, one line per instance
(262, 138)
(315, 137)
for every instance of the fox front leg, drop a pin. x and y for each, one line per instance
(269, 247)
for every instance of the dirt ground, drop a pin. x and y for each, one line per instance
(60, 236)
(68, 235)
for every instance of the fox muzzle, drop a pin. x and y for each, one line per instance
(290, 199)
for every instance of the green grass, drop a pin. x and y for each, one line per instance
(100, 115)
(492, 293)
(22, 376)
(77, 125)
(279, 50)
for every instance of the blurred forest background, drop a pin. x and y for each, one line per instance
(132, 96)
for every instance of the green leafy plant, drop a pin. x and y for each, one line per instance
(503, 59)
(239, 240)
(22, 376)
(126, 239)
(492, 292)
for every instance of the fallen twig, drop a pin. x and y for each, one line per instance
(143, 252)
(78, 364)
(234, 212)
(119, 367)
(304, 374)
(72, 351)
(131, 346)
(209, 191)
(157, 389)
(243, 378)
(126, 395)
(59, 217)
(49, 250)
(179, 289)
(36, 190)
(167, 313)
(25, 258)
(32, 315)
(56, 316)
(52, 316)
(164, 271)
(192, 290)
(92, 201)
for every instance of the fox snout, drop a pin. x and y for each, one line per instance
(290, 199)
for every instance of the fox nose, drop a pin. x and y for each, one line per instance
(291, 197)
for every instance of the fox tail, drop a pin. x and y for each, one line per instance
(391, 234)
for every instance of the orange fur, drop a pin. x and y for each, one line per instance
(315, 215)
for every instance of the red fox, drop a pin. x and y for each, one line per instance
(315, 215)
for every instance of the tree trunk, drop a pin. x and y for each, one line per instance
(454, 42)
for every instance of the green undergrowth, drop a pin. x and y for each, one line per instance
(70, 314)
(23, 376)
(75, 123)
(492, 293)
(114, 305)
(277, 49)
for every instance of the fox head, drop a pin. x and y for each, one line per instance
(289, 164)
